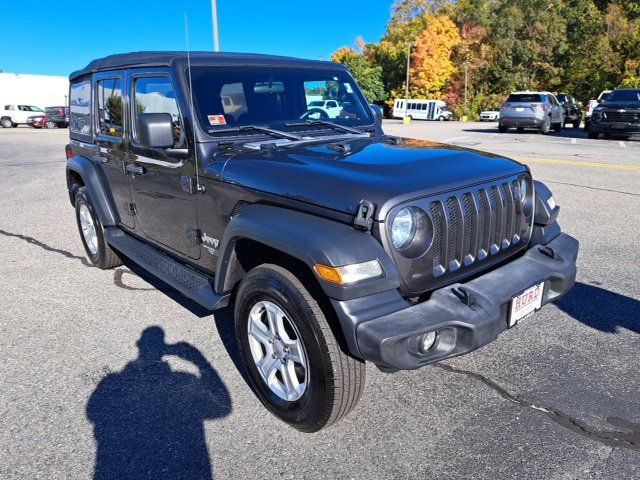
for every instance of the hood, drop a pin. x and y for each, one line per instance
(339, 175)
(621, 105)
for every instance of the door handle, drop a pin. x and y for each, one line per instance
(134, 169)
(100, 158)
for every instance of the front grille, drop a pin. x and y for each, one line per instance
(623, 117)
(469, 226)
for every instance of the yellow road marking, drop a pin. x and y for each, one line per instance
(610, 166)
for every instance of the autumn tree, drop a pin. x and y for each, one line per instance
(368, 75)
(432, 65)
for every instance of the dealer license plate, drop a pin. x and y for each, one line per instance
(526, 303)
(519, 109)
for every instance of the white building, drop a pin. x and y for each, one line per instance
(39, 90)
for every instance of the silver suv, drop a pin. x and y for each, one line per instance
(539, 110)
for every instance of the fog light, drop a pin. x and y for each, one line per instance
(427, 341)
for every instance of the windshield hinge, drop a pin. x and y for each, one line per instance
(364, 216)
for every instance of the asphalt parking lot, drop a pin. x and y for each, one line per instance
(555, 398)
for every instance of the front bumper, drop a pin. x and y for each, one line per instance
(523, 122)
(470, 315)
(614, 127)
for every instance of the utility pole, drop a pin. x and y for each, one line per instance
(214, 19)
(406, 90)
(466, 81)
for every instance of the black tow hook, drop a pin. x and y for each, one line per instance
(549, 252)
(465, 296)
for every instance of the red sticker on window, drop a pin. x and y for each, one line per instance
(216, 120)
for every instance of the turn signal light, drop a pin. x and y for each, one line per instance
(352, 273)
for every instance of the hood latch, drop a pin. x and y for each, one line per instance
(364, 216)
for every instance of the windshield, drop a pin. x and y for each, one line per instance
(624, 96)
(232, 97)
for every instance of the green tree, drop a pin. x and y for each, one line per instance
(368, 75)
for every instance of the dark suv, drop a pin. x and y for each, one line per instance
(57, 117)
(572, 109)
(618, 115)
(335, 243)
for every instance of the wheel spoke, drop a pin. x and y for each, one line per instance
(259, 331)
(267, 366)
(289, 379)
(272, 317)
(296, 353)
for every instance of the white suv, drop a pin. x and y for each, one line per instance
(331, 107)
(14, 115)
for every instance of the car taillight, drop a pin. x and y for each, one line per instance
(540, 106)
(68, 151)
(61, 112)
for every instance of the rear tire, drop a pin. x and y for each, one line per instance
(576, 124)
(6, 123)
(502, 129)
(51, 125)
(333, 381)
(546, 126)
(557, 127)
(98, 251)
(592, 135)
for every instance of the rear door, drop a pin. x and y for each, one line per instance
(109, 118)
(161, 179)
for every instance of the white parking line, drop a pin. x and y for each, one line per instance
(622, 144)
(574, 140)
(447, 140)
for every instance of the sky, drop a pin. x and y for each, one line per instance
(56, 37)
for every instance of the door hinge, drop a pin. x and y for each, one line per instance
(188, 184)
(364, 216)
(194, 236)
(131, 209)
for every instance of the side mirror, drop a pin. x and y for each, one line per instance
(377, 111)
(155, 130)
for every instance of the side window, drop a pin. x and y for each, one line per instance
(156, 95)
(110, 111)
(424, 106)
(80, 111)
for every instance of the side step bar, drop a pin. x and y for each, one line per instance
(187, 281)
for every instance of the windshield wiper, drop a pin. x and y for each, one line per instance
(324, 122)
(256, 128)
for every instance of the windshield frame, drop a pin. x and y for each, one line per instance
(365, 124)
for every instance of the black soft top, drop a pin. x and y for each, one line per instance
(165, 59)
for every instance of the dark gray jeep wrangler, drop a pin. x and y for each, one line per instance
(268, 182)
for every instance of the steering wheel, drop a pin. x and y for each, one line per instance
(314, 114)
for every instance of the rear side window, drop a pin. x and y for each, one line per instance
(525, 97)
(110, 119)
(156, 95)
(80, 108)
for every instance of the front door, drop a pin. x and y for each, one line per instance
(161, 178)
(109, 127)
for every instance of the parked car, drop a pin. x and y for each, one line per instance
(14, 115)
(604, 95)
(539, 110)
(572, 109)
(57, 117)
(492, 115)
(618, 115)
(331, 107)
(37, 121)
(337, 243)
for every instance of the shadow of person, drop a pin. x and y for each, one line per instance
(149, 419)
(601, 309)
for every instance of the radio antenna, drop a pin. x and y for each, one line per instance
(199, 188)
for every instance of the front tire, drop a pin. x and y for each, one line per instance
(51, 124)
(91, 233)
(294, 363)
(6, 123)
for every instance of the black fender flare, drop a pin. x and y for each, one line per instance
(310, 239)
(95, 181)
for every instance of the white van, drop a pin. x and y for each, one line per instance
(421, 109)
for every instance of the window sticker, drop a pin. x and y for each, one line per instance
(216, 120)
(347, 85)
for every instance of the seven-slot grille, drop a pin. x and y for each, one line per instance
(469, 226)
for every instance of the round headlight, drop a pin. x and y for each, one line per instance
(523, 189)
(403, 228)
